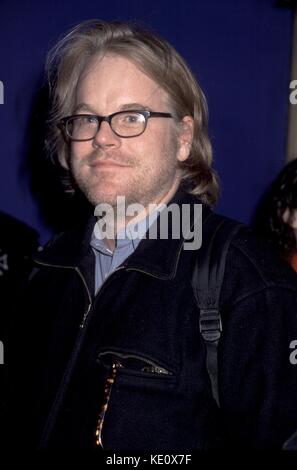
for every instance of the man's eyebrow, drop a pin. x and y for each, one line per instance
(124, 107)
(132, 106)
(84, 107)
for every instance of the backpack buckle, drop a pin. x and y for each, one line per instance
(210, 324)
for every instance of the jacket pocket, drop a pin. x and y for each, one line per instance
(132, 363)
(128, 372)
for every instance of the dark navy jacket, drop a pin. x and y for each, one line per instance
(144, 319)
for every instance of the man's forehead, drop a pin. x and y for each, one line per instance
(115, 81)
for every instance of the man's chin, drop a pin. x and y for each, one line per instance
(110, 199)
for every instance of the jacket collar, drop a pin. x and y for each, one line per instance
(158, 257)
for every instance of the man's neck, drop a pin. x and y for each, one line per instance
(122, 222)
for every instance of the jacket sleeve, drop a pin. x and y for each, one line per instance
(258, 368)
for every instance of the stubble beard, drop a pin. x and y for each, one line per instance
(143, 187)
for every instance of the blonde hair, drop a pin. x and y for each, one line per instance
(156, 58)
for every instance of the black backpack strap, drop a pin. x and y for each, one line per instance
(207, 280)
(291, 443)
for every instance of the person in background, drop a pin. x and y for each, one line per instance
(18, 242)
(276, 216)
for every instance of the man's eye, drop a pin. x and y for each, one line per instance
(131, 118)
(84, 120)
(91, 119)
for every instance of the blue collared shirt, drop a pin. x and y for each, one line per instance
(127, 240)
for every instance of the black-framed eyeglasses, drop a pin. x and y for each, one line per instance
(131, 123)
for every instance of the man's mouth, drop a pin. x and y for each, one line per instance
(107, 164)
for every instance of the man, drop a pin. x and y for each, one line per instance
(114, 356)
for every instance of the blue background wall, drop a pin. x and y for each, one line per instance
(238, 49)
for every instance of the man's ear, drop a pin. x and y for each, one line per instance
(185, 138)
(293, 218)
(290, 217)
(64, 159)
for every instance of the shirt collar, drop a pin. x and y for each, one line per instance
(155, 256)
(131, 234)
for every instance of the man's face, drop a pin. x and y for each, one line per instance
(142, 168)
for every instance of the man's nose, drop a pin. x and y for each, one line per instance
(105, 137)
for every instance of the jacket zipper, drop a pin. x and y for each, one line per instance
(60, 395)
(75, 268)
